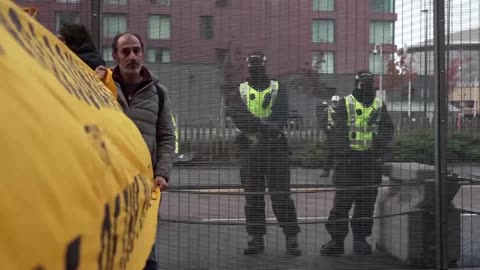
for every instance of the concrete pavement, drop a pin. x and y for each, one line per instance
(202, 224)
(214, 247)
(205, 230)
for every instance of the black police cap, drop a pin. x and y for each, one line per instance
(256, 58)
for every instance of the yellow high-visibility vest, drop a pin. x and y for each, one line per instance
(254, 99)
(363, 122)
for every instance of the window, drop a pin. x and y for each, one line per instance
(107, 54)
(381, 5)
(162, 3)
(377, 64)
(66, 17)
(323, 5)
(114, 24)
(115, 2)
(381, 32)
(222, 3)
(206, 27)
(68, 1)
(323, 62)
(159, 26)
(323, 31)
(155, 55)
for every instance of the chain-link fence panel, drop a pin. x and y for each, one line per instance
(311, 134)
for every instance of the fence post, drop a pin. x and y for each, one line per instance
(95, 26)
(441, 131)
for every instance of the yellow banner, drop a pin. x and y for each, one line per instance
(76, 186)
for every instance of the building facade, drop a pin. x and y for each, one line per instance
(332, 36)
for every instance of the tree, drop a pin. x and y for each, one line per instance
(399, 71)
(454, 70)
(309, 80)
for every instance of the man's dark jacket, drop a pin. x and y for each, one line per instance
(149, 108)
(89, 54)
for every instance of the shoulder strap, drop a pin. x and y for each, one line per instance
(161, 101)
(161, 98)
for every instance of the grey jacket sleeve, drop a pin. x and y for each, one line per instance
(165, 135)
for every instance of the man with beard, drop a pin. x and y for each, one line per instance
(146, 102)
(260, 112)
(361, 133)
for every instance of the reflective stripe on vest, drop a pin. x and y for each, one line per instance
(253, 99)
(363, 122)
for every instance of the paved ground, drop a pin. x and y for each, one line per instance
(470, 241)
(204, 229)
(216, 247)
(211, 236)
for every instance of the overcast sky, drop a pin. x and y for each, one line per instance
(410, 26)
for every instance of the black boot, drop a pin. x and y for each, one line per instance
(291, 242)
(255, 245)
(333, 248)
(361, 247)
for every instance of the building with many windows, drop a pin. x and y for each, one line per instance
(330, 36)
(187, 43)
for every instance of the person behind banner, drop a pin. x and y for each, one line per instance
(78, 39)
(147, 103)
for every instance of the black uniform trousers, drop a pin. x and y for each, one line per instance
(354, 176)
(264, 163)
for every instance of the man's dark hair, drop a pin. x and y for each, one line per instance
(75, 35)
(118, 36)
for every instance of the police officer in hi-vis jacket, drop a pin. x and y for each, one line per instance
(360, 135)
(260, 112)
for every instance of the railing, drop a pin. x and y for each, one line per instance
(306, 131)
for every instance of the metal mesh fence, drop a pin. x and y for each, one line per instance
(302, 122)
